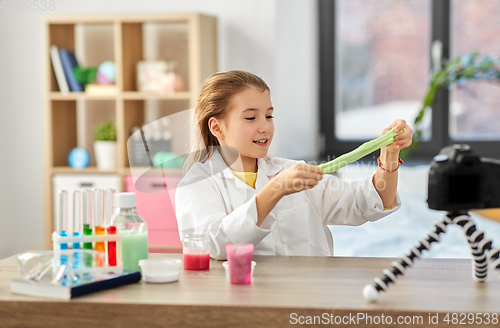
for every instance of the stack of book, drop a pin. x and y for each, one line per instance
(64, 62)
(55, 290)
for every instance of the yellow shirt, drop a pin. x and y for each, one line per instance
(247, 177)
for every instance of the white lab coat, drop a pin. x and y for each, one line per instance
(211, 199)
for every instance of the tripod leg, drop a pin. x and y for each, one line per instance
(480, 246)
(371, 291)
(479, 258)
(494, 258)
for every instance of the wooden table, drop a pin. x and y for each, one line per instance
(491, 213)
(330, 288)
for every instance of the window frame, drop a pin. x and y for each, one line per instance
(440, 30)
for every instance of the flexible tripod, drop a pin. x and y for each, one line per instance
(481, 247)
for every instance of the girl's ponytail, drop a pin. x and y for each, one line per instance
(196, 149)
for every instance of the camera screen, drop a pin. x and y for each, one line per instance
(463, 188)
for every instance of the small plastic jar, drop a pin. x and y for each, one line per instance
(239, 259)
(226, 268)
(160, 270)
(196, 252)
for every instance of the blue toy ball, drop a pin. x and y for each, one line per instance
(78, 158)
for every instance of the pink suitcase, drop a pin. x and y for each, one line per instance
(155, 207)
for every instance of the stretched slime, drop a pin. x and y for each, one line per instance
(360, 152)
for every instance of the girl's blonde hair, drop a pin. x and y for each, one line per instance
(214, 100)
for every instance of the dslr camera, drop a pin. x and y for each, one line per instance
(460, 180)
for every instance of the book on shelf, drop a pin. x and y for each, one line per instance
(69, 62)
(58, 69)
(101, 89)
(33, 288)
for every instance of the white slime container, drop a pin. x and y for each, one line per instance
(160, 270)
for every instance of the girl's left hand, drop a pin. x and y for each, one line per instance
(402, 140)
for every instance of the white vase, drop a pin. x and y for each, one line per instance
(105, 154)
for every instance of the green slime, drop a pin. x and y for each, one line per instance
(134, 248)
(360, 152)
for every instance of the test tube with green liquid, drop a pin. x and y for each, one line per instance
(88, 222)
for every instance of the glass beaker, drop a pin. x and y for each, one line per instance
(196, 252)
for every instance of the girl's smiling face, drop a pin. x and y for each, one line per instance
(248, 126)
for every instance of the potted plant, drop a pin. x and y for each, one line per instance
(105, 145)
(458, 70)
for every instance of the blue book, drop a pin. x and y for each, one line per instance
(68, 61)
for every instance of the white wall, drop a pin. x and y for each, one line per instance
(271, 38)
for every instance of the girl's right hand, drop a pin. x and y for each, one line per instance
(298, 177)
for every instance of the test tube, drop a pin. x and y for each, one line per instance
(99, 224)
(108, 204)
(62, 222)
(77, 217)
(88, 222)
(110, 229)
(77, 227)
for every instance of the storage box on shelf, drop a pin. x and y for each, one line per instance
(155, 203)
(189, 39)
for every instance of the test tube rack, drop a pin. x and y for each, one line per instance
(70, 240)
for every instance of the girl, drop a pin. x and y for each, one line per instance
(281, 206)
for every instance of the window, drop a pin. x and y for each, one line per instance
(475, 106)
(375, 66)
